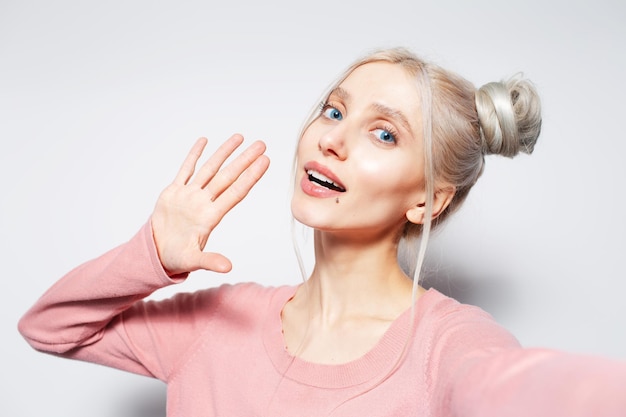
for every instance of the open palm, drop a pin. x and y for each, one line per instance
(192, 206)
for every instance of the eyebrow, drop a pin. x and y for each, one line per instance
(380, 108)
(393, 114)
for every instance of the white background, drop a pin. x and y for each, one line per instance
(100, 101)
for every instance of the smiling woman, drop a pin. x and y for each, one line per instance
(393, 150)
(363, 141)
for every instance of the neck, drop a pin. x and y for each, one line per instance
(355, 278)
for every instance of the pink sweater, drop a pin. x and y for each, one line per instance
(221, 352)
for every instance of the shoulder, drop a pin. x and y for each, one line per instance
(456, 326)
(251, 293)
(241, 298)
(447, 308)
(220, 301)
(454, 336)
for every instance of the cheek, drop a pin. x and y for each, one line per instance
(307, 142)
(387, 194)
(376, 169)
(389, 176)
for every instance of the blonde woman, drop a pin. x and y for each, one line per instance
(393, 149)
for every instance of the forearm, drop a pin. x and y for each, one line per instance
(539, 382)
(75, 310)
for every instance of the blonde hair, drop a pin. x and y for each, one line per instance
(461, 124)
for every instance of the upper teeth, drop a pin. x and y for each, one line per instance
(322, 177)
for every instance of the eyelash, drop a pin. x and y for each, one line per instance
(392, 131)
(325, 105)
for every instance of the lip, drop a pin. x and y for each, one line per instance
(316, 190)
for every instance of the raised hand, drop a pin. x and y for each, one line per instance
(190, 208)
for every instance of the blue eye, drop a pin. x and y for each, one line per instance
(384, 136)
(332, 113)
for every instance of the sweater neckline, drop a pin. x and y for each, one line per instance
(373, 364)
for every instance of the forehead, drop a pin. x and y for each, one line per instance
(386, 84)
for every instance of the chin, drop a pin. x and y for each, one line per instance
(310, 216)
(303, 216)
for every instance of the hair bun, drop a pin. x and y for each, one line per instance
(509, 113)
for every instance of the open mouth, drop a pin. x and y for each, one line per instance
(324, 181)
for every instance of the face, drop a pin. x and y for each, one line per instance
(360, 163)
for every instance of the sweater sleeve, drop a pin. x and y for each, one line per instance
(96, 313)
(483, 372)
(540, 382)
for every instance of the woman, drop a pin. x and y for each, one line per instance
(396, 144)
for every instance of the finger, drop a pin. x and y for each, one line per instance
(242, 186)
(213, 262)
(215, 162)
(189, 164)
(228, 175)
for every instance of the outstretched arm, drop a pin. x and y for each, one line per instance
(541, 382)
(481, 371)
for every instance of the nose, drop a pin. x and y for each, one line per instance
(333, 142)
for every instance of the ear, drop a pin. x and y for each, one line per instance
(442, 199)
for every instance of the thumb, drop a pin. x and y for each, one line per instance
(215, 262)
